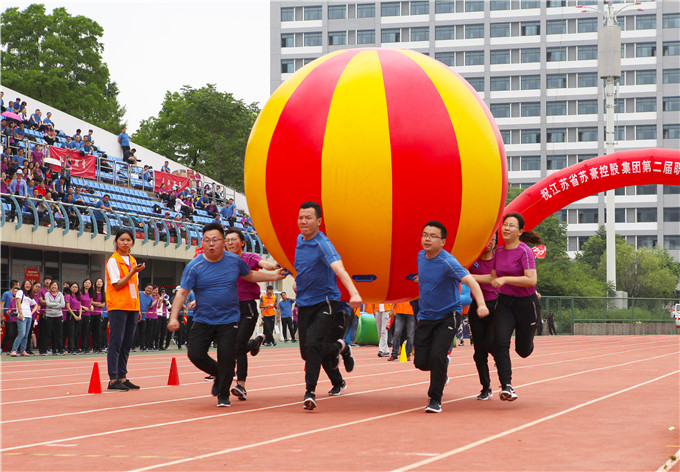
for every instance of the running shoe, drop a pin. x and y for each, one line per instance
(393, 358)
(239, 391)
(256, 343)
(208, 378)
(486, 394)
(223, 400)
(117, 386)
(214, 391)
(130, 385)
(434, 407)
(347, 358)
(310, 401)
(508, 394)
(338, 389)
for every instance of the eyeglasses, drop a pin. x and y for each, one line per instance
(430, 236)
(232, 240)
(210, 242)
(509, 225)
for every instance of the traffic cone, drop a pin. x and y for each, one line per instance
(173, 378)
(402, 353)
(95, 383)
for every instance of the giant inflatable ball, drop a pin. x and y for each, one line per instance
(384, 140)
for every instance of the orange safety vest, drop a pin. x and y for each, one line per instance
(404, 308)
(268, 300)
(127, 298)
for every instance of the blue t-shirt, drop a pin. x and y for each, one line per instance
(231, 211)
(316, 281)
(145, 302)
(35, 119)
(47, 121)
(124, 139)
(286, 307)
(438, 282)
(70, 145)
(214, 284)
(7, 297)
(77, 145)
(223, 212)
(100, 214)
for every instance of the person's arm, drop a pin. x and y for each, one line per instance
(17, 302)
(177, 304)
(256, 277)
(36, 306)
(346, 281)
(477, 295)
(267, 265)
(126, 280)
(482, 279)
(529, 279)
(68, 308)
(80, 313)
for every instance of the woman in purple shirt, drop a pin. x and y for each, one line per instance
(73, 312)
(152, 322)
(517, 308)
(85, 324)
(98, 303)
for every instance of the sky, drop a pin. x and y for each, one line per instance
(152, 47)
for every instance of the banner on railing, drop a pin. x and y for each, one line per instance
(169, 180)
(81, 166)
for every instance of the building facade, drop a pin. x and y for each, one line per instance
(534, 62)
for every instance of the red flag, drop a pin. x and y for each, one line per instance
(81, 166)
(169, 180)
(539, 251)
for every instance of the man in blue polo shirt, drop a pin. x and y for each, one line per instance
(145, 301)
(286, 315)
(231, 212)
(124, 141)
(213, 276)
(439, 278)
(103, 205)
(35, 121)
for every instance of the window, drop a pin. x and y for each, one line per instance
(643, 77)
(474, 31)
(671, 131)
(556, 135)
(556, 54)
(643, 105)
(556, 162)
(337, 38)
(474, 5)
(505, 134)
(556, 3)
(556, 108)
(643, 22)
(671, 241)
(288, 14)
(477, 83)
(390, 9)
(531, 4)
(337, 12)
(587, 134)
(587, 53)
(531, 55)
(287, 40)
(444, 32)
(556, 27)
(307, 60)
(671, 20)
(671, 190)
(646, 189)
(531, 82)
(496, 5)
(500, 83)
(312, 13)
(646, 241)
(531, 163)
(500, 110)
(474, 58)
(420, 34)
(447, 58)
(420, 8)
(390, 35)
(366, 37)
(671, 214)
(499, 30)
(530, 28)
(646, 215)
(619, 215)
(671, 48)
(620, 80)
(587, 215)
(444, 6)
(645, 132)
(619, 105)
(645, 50)
(587, 79)
(587, 25)
(585, 157)
(530, 136)
(561, 215)
(366, 10)
(619, 133)
(312, 39)
(501, 56)
(556, 81)
(671, 76)
(587, 107)
(287, 66)
(671, 103)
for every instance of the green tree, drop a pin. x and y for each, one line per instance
(57, 59)
(204, 129)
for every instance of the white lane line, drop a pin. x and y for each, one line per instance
(672, 460)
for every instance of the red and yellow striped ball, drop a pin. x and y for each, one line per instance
(385, 140)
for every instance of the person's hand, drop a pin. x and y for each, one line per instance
(173, 325)
(192, 305)
(355, 301)
(139, 268)
(482, 311)
(281, 274)
(498, 282)
(20, 317)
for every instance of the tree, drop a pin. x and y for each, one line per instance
(204, 129)
(57, 59)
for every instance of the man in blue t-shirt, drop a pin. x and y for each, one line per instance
(145, 301)
(321, 325)
(231, 212)
(212, 276)
(286, 315)
(439, 278)
(124, 141)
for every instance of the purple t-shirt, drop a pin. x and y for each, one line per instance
(249, 290)
(41, 294)
(12, 307)
(97, 310)
(73, 301)
(151, 313)
(513, 263)
(86, 302)
(482, 267)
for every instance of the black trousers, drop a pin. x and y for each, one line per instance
(105, 332)
(294, 329)
(85, 333)
(431, 342)
(482, 333)
(321, 325)
(246, 328)
(200, 339)
(518, 314)
(551, 326)
(72, 333)
(269, 329)
(95, 329)
(41, 335)
(10, 335)
(50, 334)
(161, 329)
(287, 325)
(123, 325)
(151, 337)
(140, 335)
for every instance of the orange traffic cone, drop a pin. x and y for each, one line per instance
(95, 383)
(173, 378)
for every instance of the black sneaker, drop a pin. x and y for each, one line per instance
(347, 358)
(393, 358)
(117, 386)
(223, 400)
(208, 378)
(486, 394)
(310, 401)
(130, 385)
(256, 343)
(338, 389)
(434, 407)
(239, 391)
(508, 394)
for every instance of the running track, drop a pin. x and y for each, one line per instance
(585, 403)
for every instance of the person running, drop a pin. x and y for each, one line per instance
(439, 278)
(248, 295)
(482, 327)
(122, 304)
(213, 277)
(517, 307)
(317, 264)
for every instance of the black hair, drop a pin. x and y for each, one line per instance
(105, 195)
(270, 287)
(90, 292)
(436, 224)
(123, 231)
(530, 237)
(67, 290)
(13, 283)
(23, 285)
(212, 226)
(311, 204)
(232, 230)
(103, 292)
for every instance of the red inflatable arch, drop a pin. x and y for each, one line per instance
(619, 169)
